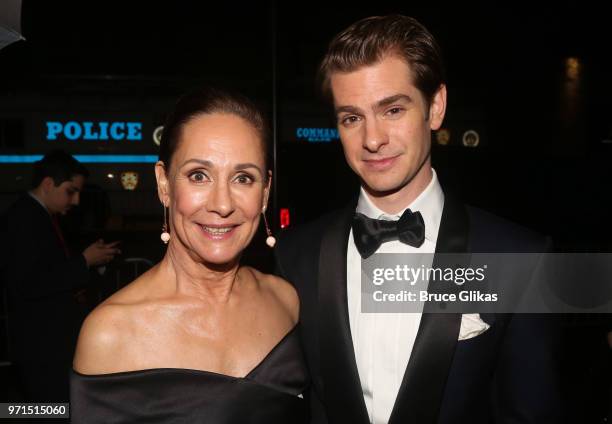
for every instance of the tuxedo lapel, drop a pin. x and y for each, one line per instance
(341, 385)
(422, 388)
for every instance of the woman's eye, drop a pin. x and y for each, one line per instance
(197, 177)
(244, 179)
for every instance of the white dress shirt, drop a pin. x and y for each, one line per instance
(383, 341)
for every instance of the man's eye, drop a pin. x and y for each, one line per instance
(394, 110)
(348, 120)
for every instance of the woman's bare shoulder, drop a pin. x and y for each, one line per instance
(101, 338)
(106, 331)
(283, 291)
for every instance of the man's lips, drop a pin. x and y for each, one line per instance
(380, 164)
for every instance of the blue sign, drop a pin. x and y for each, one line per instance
(317, 135)
(84, 158)
(94, 131)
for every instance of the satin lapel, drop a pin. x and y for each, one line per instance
(341, 385)
(420, 395)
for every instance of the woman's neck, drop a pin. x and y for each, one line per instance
(192, 278)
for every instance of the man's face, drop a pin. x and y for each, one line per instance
(60, 199)
(384, 124)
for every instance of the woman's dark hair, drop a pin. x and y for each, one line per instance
(206, 101)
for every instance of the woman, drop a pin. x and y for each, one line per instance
(199, 338)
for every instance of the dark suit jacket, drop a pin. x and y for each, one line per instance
(507, 374)
(40, 281)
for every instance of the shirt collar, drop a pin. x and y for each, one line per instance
(33, 196)
(430, 203)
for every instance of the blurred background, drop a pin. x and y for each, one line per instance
(528, 133)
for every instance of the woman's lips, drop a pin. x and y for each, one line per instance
(217, 232)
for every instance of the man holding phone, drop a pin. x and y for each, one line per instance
(43, 277)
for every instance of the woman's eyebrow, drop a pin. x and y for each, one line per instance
(209, 164)
(242, 166)
(206, 163)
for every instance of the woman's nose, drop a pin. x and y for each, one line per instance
(220, 200)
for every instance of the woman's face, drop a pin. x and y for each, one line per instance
(216, 188)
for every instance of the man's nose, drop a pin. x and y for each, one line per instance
(375, 136)
(76, 198)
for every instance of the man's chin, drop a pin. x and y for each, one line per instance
(382, 190)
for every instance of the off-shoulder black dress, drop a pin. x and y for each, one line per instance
(270, 393)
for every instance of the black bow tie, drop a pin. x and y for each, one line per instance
(369, 233)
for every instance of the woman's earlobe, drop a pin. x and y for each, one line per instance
(162, 182)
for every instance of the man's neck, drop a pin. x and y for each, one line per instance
(39, 197)
(396, 202)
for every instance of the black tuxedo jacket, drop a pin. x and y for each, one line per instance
(40, 282)
(508, 374)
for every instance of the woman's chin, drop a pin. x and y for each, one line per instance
(220, 260)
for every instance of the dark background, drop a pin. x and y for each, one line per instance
(546, 136)
(546, 130)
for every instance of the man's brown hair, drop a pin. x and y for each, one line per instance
(369, 40)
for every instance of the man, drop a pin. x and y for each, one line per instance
(385, 78)
(43, 277)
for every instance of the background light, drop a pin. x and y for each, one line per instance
(285, 218)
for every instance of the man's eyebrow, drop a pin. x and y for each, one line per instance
(379, 104)
(393, 99)
(347, 109)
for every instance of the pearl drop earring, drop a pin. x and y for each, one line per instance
(270, 240)
(165, 235)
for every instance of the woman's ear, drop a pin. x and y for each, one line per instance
(266, 194)
(163, 189)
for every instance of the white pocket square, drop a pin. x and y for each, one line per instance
(471, 326)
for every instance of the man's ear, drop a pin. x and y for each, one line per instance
(267, 188)
(47, 184)
(437, 109)
(163, 189)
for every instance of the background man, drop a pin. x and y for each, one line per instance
(43, 276)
